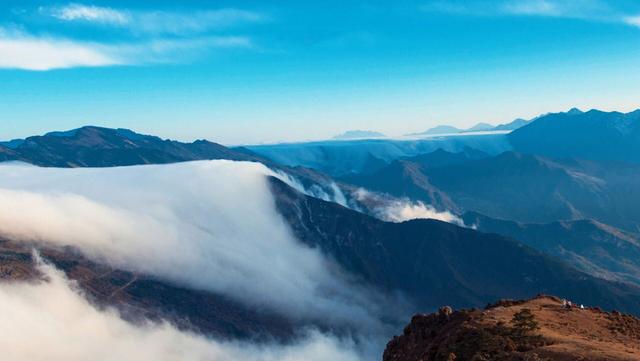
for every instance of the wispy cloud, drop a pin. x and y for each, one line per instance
(592, 10)
(155, 21)
(633, 20)
(78, 12)
(151, 36)
(556, 8)
(19, 50)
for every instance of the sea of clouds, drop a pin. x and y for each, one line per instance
(209, 225)
(52, 320)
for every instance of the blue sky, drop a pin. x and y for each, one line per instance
(265, 71)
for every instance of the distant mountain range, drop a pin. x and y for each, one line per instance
(553, 207)
(359, 134)
(480, 127)
(516, 186)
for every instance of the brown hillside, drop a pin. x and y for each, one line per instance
(490, 334)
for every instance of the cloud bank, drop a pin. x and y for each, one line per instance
(51, 321)
(211, 225)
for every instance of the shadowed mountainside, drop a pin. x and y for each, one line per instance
(434, 262)
(590, 246)
(517, 187)
(593, 135)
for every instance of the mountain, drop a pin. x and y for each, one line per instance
(480, 127)
(593, 135)
(359, 134)
(440, 129)
(494, 333)
(427, 262)
(434, 263)
(349, 157)
(588, 245)
(103, 147)
(520, 187)
(518, 123)
(406, 177)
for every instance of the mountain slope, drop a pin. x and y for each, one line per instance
(594, 135)
(590, 246)
(434, 262)
(519, 187)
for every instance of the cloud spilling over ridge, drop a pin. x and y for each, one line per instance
(53, 321)
(403, 211)
(211, 225)
(400, 210)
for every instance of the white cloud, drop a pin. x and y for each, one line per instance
(193, 22)
(582, 9)
(400, 210)
(405, 211)
(210, 225)
(590, 10)
(533, 7)
(155, 21)
(79, 12)
(633, 20)
(52, 321)
(28, 52)
(20, 51)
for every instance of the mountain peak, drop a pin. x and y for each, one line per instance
(359, 134)
(480, 127)
(574, 111)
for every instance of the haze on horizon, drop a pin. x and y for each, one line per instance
(252, 72)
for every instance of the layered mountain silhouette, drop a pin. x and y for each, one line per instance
(542, 225)
(516, 186)
(104, 147)
(594, 135)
